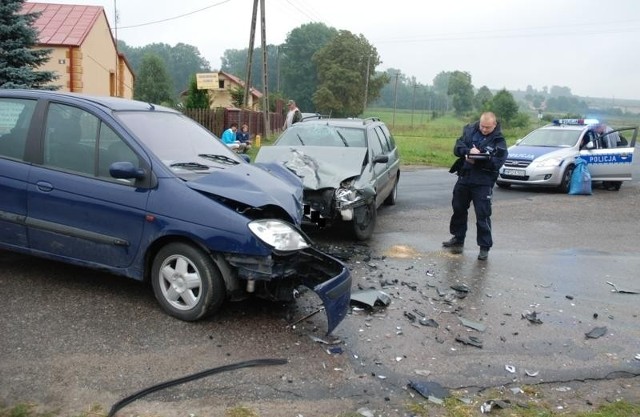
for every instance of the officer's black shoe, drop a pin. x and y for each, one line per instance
(483, 254)
(454, 242)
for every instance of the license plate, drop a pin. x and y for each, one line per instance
(515, 172)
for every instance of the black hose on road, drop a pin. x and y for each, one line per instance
(256, 362)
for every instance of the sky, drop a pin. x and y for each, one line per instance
(590, 46)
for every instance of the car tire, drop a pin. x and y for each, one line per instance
(364, 221)
(503, 185)
(186, 282)
(393, 196)
(616, 185)
(565, 183)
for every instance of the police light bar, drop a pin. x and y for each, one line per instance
(575, 122)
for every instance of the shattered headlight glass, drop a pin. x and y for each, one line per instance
(346, 193)
(278, 234)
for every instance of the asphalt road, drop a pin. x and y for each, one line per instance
(73, 337)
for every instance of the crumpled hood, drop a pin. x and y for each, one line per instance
(318, 166)
(255, 186)
(529, 153)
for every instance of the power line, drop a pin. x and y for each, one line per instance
(174, 17)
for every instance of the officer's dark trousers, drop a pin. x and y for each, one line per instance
(463, 195)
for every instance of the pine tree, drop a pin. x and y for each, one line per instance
(19, 62)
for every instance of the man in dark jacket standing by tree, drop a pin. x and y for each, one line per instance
(481, 151)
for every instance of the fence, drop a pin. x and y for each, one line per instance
(219, 119)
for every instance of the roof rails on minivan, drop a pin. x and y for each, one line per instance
(370, 120)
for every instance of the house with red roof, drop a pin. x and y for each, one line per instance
(84, 52)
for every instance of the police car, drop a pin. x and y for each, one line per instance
(546, 156)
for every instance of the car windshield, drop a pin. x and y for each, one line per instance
(563, 138)
(177, 140)
(316, 134)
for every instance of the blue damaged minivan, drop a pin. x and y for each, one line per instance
(142, 191)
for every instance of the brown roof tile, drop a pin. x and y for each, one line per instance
(63, 24)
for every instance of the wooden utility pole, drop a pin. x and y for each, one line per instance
(366, 84)
(395, 100)
(252, 37)
(267, 127)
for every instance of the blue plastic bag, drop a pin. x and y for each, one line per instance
(580, 183)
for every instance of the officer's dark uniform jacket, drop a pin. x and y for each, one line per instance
(482, 172)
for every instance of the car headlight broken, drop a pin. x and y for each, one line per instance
(278, 234)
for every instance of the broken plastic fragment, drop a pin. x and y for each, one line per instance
(428, 322)
(472, 324)
(325, 342)
(336, 350)
(621, 291)
(371, 297)
(531, 373)
(471, 340)
(410, 316)
(596, 332)
(435, 400)
(510, 368)
(532, 317)
(365, 412)
(460, 287)
(429, 389)
(487, 406)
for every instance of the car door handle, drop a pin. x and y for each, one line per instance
(44, 186)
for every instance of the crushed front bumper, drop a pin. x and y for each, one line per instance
(275, 277)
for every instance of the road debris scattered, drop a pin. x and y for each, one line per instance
(491, 404)
(622, 291)
(430, 390)
(371, 297)
(596, 332)
(472, 324)
(532, 317)
(470, 340)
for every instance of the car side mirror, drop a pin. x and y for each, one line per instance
(381, 159)
(126, 170)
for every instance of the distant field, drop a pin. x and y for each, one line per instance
(430, 141)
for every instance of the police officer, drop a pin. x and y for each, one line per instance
(481, 151)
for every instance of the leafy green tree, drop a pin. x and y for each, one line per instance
(482, 97)
(19, 62)
(441, 83)
(153, 83)
(196, 99)
(461, 90)
(181, 61)
(504, 106)
(298, 71)
(557, 91)
(342, 70)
